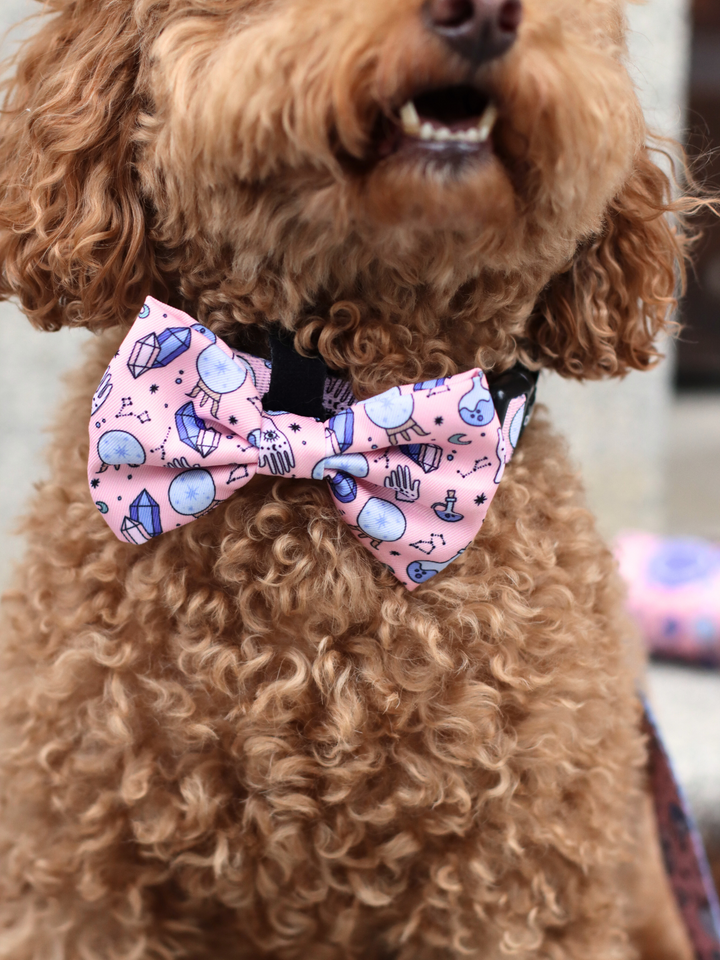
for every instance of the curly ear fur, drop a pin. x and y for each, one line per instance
(72, 226)
(601, 316)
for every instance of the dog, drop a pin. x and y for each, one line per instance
(246, 738)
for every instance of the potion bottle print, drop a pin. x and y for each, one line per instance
(445, 510)
(476, 407)
(420, 571)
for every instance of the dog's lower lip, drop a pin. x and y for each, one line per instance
(405, 147)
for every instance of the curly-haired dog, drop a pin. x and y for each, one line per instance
(245, 738)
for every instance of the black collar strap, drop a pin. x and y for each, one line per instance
(299, 384)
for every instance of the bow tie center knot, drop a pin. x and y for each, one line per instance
(290, 445)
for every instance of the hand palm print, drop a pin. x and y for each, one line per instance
(274, 448)
(406, 489)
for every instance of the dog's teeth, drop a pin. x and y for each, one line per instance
(487, 122)
(412, 126)
(409, 118)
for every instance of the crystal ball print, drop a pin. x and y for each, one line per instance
(192, 492)
(118, 447)
(219, 374)
(381, 521)
(393, 412)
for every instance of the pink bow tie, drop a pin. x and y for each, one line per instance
(178, 425)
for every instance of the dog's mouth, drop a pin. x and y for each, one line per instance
(445, 123)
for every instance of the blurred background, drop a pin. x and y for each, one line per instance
(658, 470)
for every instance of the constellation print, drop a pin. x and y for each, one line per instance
(126, 402)
(161, 448)
(478, 465)
(429, 546)
(239, 471)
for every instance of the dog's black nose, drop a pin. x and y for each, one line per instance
(479, 30)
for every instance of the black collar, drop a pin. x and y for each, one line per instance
(297, 383)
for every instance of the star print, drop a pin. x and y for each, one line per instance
(191, 494)
(438, 421)
(294, 427)
(233, 419)
(95, 483)
(480, 499)
(394, 553)
(154, 388)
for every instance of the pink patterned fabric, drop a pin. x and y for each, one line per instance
(674, 593)
(178, 425)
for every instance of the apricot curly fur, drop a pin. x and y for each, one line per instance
(245, 739)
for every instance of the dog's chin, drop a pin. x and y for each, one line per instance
(464, 190)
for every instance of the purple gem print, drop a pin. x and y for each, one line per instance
(426, 455)
(146, 511)
(173, 342)
(134, 532)
(194, 431)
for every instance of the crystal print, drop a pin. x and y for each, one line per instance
(194, 431)
(146, 511)
(134, 532)
(407, 471)
(143, 355)
(425, 455)
(173, 342)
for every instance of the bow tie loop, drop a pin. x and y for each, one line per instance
(178, 425)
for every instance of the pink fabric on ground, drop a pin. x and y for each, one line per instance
(674, 593)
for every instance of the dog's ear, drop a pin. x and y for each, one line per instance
(603, 314)
(72, 224)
